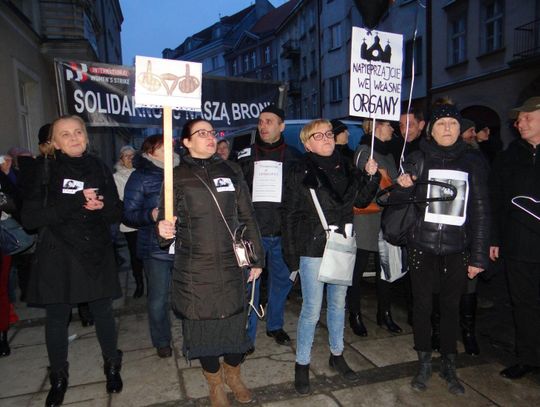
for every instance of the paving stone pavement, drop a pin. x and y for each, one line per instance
(385, 363)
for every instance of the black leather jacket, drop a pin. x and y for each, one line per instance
(443, 239)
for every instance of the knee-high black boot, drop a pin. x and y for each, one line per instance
(467, 311)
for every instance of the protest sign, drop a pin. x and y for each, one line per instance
(168, 83)
(376, 73)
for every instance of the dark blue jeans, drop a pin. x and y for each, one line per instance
(158, 278)
(279, 285)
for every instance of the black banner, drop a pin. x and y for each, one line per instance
(104, 95)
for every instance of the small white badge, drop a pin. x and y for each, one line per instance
(72, 186)
(223, 184)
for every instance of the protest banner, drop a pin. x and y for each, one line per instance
(168, 83)
(103, 96)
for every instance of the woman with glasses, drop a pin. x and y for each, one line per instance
(338, 186)
(209, 288)
(141, 200)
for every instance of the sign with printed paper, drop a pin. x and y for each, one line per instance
(448, 212)
(165, 82)
(376, 73)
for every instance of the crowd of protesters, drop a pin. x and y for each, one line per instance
(72, 208)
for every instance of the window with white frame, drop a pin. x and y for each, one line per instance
(457, 39)
(335, 36)
(336, 93)
(492, 25)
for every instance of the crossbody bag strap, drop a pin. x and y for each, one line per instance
(217, 204)
(319, 209)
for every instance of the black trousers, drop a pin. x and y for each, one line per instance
(444, 275)
(56, 331)
(136, 263)
(383, 288)
(524, 285)
(211, 363)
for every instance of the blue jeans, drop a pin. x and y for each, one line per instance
(312, 297)
(279, 285)
(158, 280)
(253, 318)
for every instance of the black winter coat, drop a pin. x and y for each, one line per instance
(442, 239)
(303, 232)
(141, 196)
(74, 260)
(268, 213)
(207, 282)
(516, 172)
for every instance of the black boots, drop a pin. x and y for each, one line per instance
(111, 368)
(356, 323)
(4, 344)
(59, 383)
(448, 373)
(467, 314)
(339, 364)
(139, 289)
(419, 382)
(385, 318)
(301, 379)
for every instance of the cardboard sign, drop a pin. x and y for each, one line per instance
(376, 73)
(165, 82)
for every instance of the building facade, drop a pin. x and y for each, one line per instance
(486, 57)
(39, 32)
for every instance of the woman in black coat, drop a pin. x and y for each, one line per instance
(448, 240)
(73, 201)
(338, 186)
(209, 288)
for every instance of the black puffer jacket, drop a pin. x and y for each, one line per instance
(268, 213)
(303, 233)
(207, 282)
(516, 172)
(442, 239)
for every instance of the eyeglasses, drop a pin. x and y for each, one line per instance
(319, 135)
(204, 133)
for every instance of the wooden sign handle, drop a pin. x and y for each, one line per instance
(168, 162)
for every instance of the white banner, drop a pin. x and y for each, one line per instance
(166, 82)
(376, 73)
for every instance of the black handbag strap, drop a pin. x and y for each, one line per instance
(217, 204)
(411, 198)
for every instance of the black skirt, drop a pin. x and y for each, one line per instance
(215, 337)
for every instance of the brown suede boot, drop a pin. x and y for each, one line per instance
(234, 381)
(218, 398)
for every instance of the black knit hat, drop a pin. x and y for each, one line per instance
(43, 135)
(338, 126)
(276, 110)
(442, 111)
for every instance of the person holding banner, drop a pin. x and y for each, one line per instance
(141, 200)
(74, 258)
(338, 186)
(210, 200)
(445, 244)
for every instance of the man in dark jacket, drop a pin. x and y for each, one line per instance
(516, 234)
(264, 164)
(415, 121)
